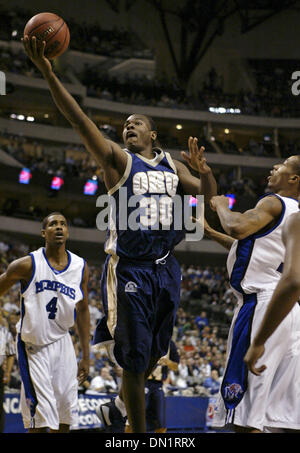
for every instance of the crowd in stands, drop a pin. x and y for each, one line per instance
(200, 332)
(71, 160)
(89, 38)
(270, 96)
(17, 62)
(74, 161)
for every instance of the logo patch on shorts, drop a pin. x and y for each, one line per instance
(130, 287)
(233, 391)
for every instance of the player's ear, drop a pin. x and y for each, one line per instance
(43, 232)
(295, 179)
(153, 135)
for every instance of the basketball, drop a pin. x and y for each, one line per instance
(50, 28)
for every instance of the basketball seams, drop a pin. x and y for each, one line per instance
(54, 32)
(50, 39)
(46, 22)
(60, 50)
(66, 34)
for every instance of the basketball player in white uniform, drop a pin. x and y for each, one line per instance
(255, 263)
(285, 296)
(53, 292)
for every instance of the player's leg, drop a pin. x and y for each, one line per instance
(134, 399)
(37, 430)
(153, 362)
(156, 407)
(249, 414)
(133, 337)
(245, 430)
(283, 410)
(2, 414)
(168, 300)
(65, 384)
(63, 429)
(38, 404)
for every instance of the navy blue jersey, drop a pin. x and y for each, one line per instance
(144, 196)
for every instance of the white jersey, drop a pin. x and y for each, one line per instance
(48, 301)
(255, 263)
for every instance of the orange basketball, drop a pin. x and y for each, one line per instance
(50, 28)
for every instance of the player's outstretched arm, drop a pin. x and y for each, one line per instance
(19, 270)
(83, 325)
(222, 239)
(207, 185)
(285, 296)
(240, 225)
(104, 151)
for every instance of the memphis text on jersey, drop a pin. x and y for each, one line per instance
(48, 285)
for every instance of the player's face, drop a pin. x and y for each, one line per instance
(281, 173)
(56, 231)
(137, 134)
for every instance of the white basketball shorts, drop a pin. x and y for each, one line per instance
(271, 399)
(49, 392)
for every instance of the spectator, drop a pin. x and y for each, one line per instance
(212, 383)
(201, 321)
(103, 383)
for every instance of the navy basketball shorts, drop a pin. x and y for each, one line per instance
(140, 301)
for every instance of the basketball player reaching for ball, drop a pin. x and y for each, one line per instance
(53, 291)
(141, 279)
(254, 403)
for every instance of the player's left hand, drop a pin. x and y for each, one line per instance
(219, 200)
(203, 222)
(195, 158)
(253, 354)
(83, 370)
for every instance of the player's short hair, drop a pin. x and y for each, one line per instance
(297, 165)
(152, 123)
(153, 127)
(45, 220)
(296, 168)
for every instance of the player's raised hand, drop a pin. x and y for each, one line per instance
(35, 49)
(195, 157)
(253, 354)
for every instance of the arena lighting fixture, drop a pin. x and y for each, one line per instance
(14, 33)
(226, 131)
(90, 187)
(232, 199)
(223, 110)
(178, 127)
(56, 183)
(25, 176)
(22, 117)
